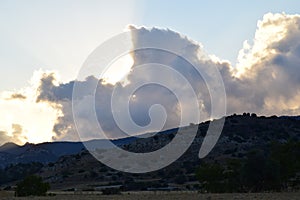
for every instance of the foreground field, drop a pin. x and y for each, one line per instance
(165, 196)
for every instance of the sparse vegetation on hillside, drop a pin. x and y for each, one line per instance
(253, 154)
(260, 171)
(18, 171)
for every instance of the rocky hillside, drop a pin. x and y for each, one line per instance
(241, 134)
(11, 154)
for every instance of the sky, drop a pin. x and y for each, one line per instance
(59, 35)
(47, 42)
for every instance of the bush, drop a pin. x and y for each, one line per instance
(32, 186)
(111, 191)
(211, 177)
(181, 179)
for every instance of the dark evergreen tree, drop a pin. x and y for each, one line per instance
(32, 186)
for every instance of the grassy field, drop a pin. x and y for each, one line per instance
(161, 196)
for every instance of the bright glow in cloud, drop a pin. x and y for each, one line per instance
(270, 30)
(35, 120)
(118, 70)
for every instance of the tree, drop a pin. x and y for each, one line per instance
(253, 171)
(233, 182)
(211, 177)
(287, 156)
(260, 172)
(272, 175)
(32, 186)
(271, 169)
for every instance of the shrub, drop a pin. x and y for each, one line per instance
(211, 177)
(111, 191)
(32, 186)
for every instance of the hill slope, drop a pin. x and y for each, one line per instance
(241, 135)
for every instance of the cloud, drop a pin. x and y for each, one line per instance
(4, 137)
(59, 96)
(267, 74)
(17, 96)
(265, 80)
(15, 137)
(141, 100)
(23, 119)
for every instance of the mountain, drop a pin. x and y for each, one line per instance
(241, 135)
(47, 152)
(74, 167)
(13, 148)
(11, 153)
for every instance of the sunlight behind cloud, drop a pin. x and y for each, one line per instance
(118, 70)
(271, 29)
(33, 120)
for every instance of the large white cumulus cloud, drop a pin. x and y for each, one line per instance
(145, 97)
(267, 74)
(266, 80)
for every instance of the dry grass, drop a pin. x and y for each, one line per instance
(162, 196)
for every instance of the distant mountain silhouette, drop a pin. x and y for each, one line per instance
(11, 153)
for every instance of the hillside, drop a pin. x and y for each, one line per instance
(11, 153)
(241, 135)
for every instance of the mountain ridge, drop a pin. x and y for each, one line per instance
(46, 152)
(241, 134)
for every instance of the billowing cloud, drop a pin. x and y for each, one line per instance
(142, 100)
(23, 119)
(266, 80)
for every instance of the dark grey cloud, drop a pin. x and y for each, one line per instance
(48, 91)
